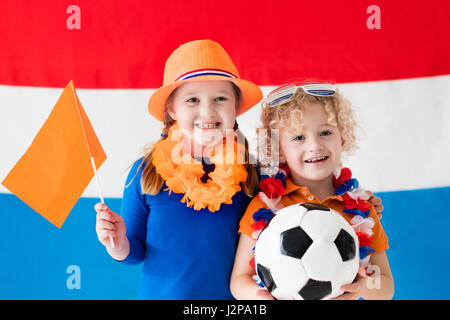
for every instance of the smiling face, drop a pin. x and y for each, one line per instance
(204, 110)
(314, 151)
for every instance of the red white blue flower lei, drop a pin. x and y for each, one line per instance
(355, 198)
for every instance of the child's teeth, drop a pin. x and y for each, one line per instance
(315, 159)
(207, 126)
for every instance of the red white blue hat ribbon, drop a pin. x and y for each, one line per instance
(205, 72)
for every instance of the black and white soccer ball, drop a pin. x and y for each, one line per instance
(307, 251)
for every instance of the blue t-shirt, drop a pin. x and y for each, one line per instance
(187, 254)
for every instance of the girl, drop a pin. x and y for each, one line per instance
(314, 124)
(183, 200)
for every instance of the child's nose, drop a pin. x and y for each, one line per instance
(207, 109)
(314, 144)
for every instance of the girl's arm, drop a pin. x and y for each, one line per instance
(378, 286)
(242, 285)
(110, 224)
(130, 240)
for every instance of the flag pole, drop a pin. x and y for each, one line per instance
(111, 240)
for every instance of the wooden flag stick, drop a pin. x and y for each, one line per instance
(111, 240)
(80, 109)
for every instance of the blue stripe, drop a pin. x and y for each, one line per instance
(35, 254)
(280, 99)
(322, 92)
(207, 74)
(416, 224)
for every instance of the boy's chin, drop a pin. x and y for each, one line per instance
(320, 175)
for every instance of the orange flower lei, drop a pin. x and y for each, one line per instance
(184, 174)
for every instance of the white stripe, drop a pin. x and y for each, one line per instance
(199, 73)
(406, 123)
(407, 132)
(119, 118)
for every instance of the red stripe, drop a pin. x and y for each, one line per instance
(125, 44)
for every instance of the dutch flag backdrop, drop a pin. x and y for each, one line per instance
(390, 60)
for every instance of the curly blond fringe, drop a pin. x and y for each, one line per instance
(152, 182)
(290, 115)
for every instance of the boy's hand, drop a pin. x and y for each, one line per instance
(376, 202)
(109, 224)
(264, 294)
(353, 291)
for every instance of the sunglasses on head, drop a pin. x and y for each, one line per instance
(286, 92)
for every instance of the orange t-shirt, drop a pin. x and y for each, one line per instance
(295, 194)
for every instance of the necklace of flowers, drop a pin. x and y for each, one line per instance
(355, 199)
(182, 173)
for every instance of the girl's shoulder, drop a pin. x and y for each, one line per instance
(138, 164)
(135, 172)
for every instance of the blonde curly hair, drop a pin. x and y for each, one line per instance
(290, 115)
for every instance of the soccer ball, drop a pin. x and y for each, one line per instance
(307, 251)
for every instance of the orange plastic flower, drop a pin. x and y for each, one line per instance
(183, 174)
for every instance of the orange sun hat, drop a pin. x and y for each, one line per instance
(201, 60)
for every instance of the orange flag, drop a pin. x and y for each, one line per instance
(54, 171)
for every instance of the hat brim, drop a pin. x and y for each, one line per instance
(251, 94)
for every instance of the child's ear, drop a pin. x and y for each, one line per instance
(171, 113)
(342, 142)
(281, 157)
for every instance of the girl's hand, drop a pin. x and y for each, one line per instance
(109, 224)
(376, 202)
(353, 291)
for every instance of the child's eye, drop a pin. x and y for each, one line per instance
(218, 99)
(193, 100)
(326, 133)
(299, 138)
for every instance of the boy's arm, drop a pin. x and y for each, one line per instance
(378, 286)
(242, 285)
